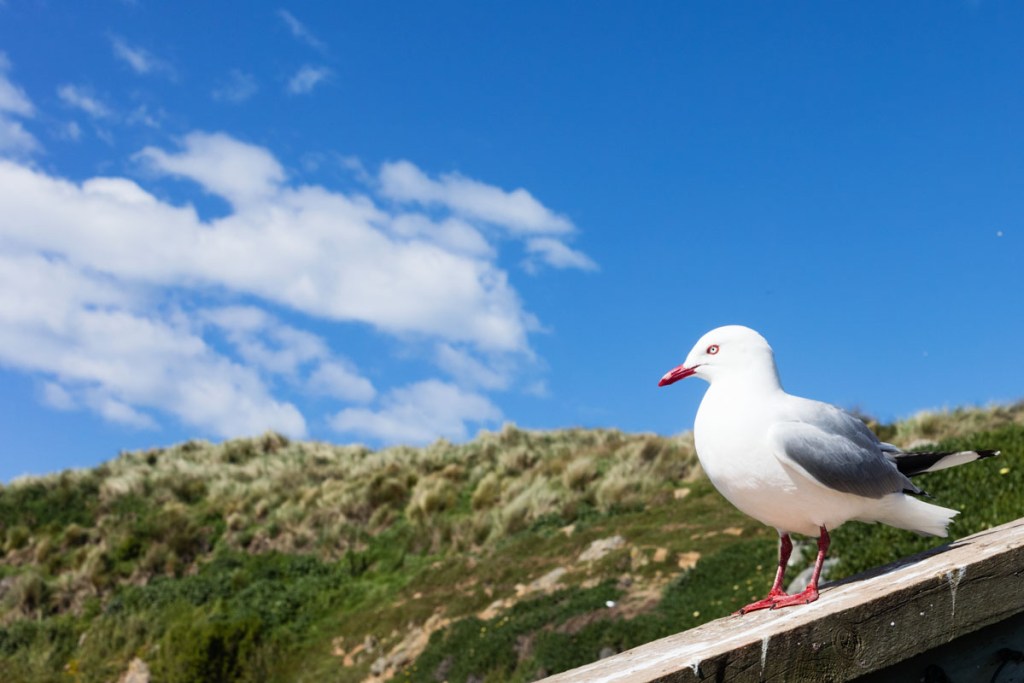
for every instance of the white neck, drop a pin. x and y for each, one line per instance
(756, 378)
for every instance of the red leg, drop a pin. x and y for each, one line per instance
(809, 594)
(785, 549)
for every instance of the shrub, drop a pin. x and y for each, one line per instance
(238, 451)
(29, 594)
(272, 442)
(188, 489)
(622, 488)
(487, 491)
(51, 502)
(75, 536)
(218, 648)
(433, 494)
(579, 473)
(517, 459)
(387, 489)
(17, 537)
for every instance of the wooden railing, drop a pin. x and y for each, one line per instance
(956, 611)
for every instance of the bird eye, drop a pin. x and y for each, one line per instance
(713, 349)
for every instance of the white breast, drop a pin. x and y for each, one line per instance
(730, 433)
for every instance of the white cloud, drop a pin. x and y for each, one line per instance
(235, 170)
(71, 131)
(299, 30)
(14, 139)
(279, 349)
(114, 410)
(470, 371)
(81, 98)
(264, 342)
(309, 249)
(239, 87)
(557, 254)
(307, 78)
(451, 233)
(238, 320)
(516, 211)
(419, 413)
(355, 165)
(338, 379)
(143, 117)
(13, 99)
(56, 396)
(94, 263)
(104, 353)
(139, 59)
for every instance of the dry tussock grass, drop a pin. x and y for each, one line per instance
(267, 493)
(931, 427)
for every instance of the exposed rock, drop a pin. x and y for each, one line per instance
(524, 645)
(639, 600)
(441, 672)
(138, 672)
(495, 608)
(601, 547)
(660, 555)
(548, 583)
(638, 558)
(796, 557)
(803, 578)
(406, 651)
(348, 658)
(545, 584)
(687, 560)
(6, 584)
(679, 494)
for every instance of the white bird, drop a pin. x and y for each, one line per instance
(799, 465)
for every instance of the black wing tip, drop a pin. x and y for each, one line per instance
(915, 463)
(982, 454)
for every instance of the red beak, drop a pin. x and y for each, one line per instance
(676, 374)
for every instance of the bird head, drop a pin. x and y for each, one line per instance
(732, 350)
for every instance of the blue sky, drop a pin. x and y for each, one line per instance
(388, 222)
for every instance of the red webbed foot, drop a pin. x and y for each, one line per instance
(808, 595)
(767, 603)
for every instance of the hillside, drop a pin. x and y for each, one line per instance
(514, 555)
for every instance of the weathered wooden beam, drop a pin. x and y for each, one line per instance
(859, 625)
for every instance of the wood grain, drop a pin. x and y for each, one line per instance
(859, 625)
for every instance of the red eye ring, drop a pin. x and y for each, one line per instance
(713, 349)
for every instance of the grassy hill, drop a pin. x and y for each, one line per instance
(516, 555)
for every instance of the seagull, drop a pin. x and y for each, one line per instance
(799, 465)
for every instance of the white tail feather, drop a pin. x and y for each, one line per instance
(903, 511)
(953, 460)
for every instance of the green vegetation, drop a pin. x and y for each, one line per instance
(515, 555)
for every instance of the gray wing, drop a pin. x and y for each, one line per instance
(837, 450)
